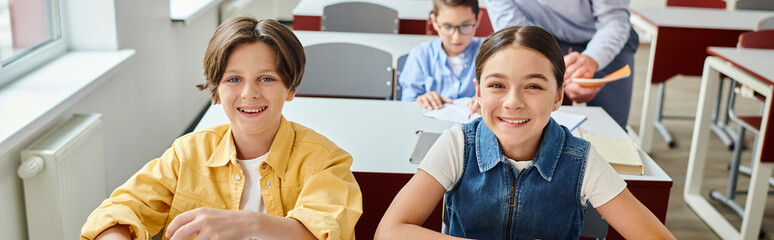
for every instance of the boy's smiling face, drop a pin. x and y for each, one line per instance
(454, 16)
(252, 93)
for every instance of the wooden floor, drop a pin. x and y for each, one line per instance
(681, 100)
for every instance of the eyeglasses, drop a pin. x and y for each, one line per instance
(465, 29)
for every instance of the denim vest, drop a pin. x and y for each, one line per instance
(492, 200)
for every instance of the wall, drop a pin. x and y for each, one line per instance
(145, 106)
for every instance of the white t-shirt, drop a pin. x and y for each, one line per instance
(251, 195)
(455, 63)
(445, 162)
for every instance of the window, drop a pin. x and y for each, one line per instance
(30, 34)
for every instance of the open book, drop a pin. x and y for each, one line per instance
(619, 152)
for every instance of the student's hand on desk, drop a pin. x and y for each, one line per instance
(210, 223)
(432, 100)
(579, 66)
(580, 94)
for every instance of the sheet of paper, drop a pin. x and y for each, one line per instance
(455, 112)
(569, 120)
(624, 72)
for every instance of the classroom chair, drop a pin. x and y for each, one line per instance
(359, 17)
(401, 61)
(765, 24)
(755, 4)
(759, 39)
(346, 70)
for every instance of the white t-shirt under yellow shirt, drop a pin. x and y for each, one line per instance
(251, 194)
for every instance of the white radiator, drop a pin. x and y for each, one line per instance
(64, 178)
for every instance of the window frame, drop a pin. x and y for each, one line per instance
(30, 59)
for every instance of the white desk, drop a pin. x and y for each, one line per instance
(407, 9)
(412, 15)
(380, 136)
(752, 68)
(680, 37)
(395, 44)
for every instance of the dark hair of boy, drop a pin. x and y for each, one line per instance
(243, 30)
(531, 37)
(473, 4)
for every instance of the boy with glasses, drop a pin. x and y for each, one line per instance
(440, 71)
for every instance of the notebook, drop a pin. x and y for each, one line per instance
(455, 112)
(425, 141)
(569, 120)
(619, 152)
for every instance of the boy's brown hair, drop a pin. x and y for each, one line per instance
(473, 4)
(242, 30)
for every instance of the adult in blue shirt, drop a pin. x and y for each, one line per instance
(597, 36)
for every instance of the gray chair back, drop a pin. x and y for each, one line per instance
(594, 226)
(359, 17)
(346, 70)
(755, 4)
(399, 68)
(766, 23)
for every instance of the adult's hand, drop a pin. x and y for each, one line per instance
(581, 94)
(579, 66)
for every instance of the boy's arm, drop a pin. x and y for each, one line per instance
(142, 202)
(412, 76)
(330, 201)
(208, 223)
(612, 30)
(632, 219)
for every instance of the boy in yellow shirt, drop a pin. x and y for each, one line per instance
(260, 176)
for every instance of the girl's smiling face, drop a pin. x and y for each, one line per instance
(517, 92)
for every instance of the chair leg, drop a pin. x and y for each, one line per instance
(718, 124)
(733, 177)
(659, 114)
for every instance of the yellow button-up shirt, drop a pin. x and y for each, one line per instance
(305, 176)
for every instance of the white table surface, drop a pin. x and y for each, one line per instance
(395, 44)
(758, 61)
(761, 171)
(649, 19)
(407, 9)
(380, 134)
(702, 17)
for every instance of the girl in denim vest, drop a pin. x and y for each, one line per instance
(516, 173)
